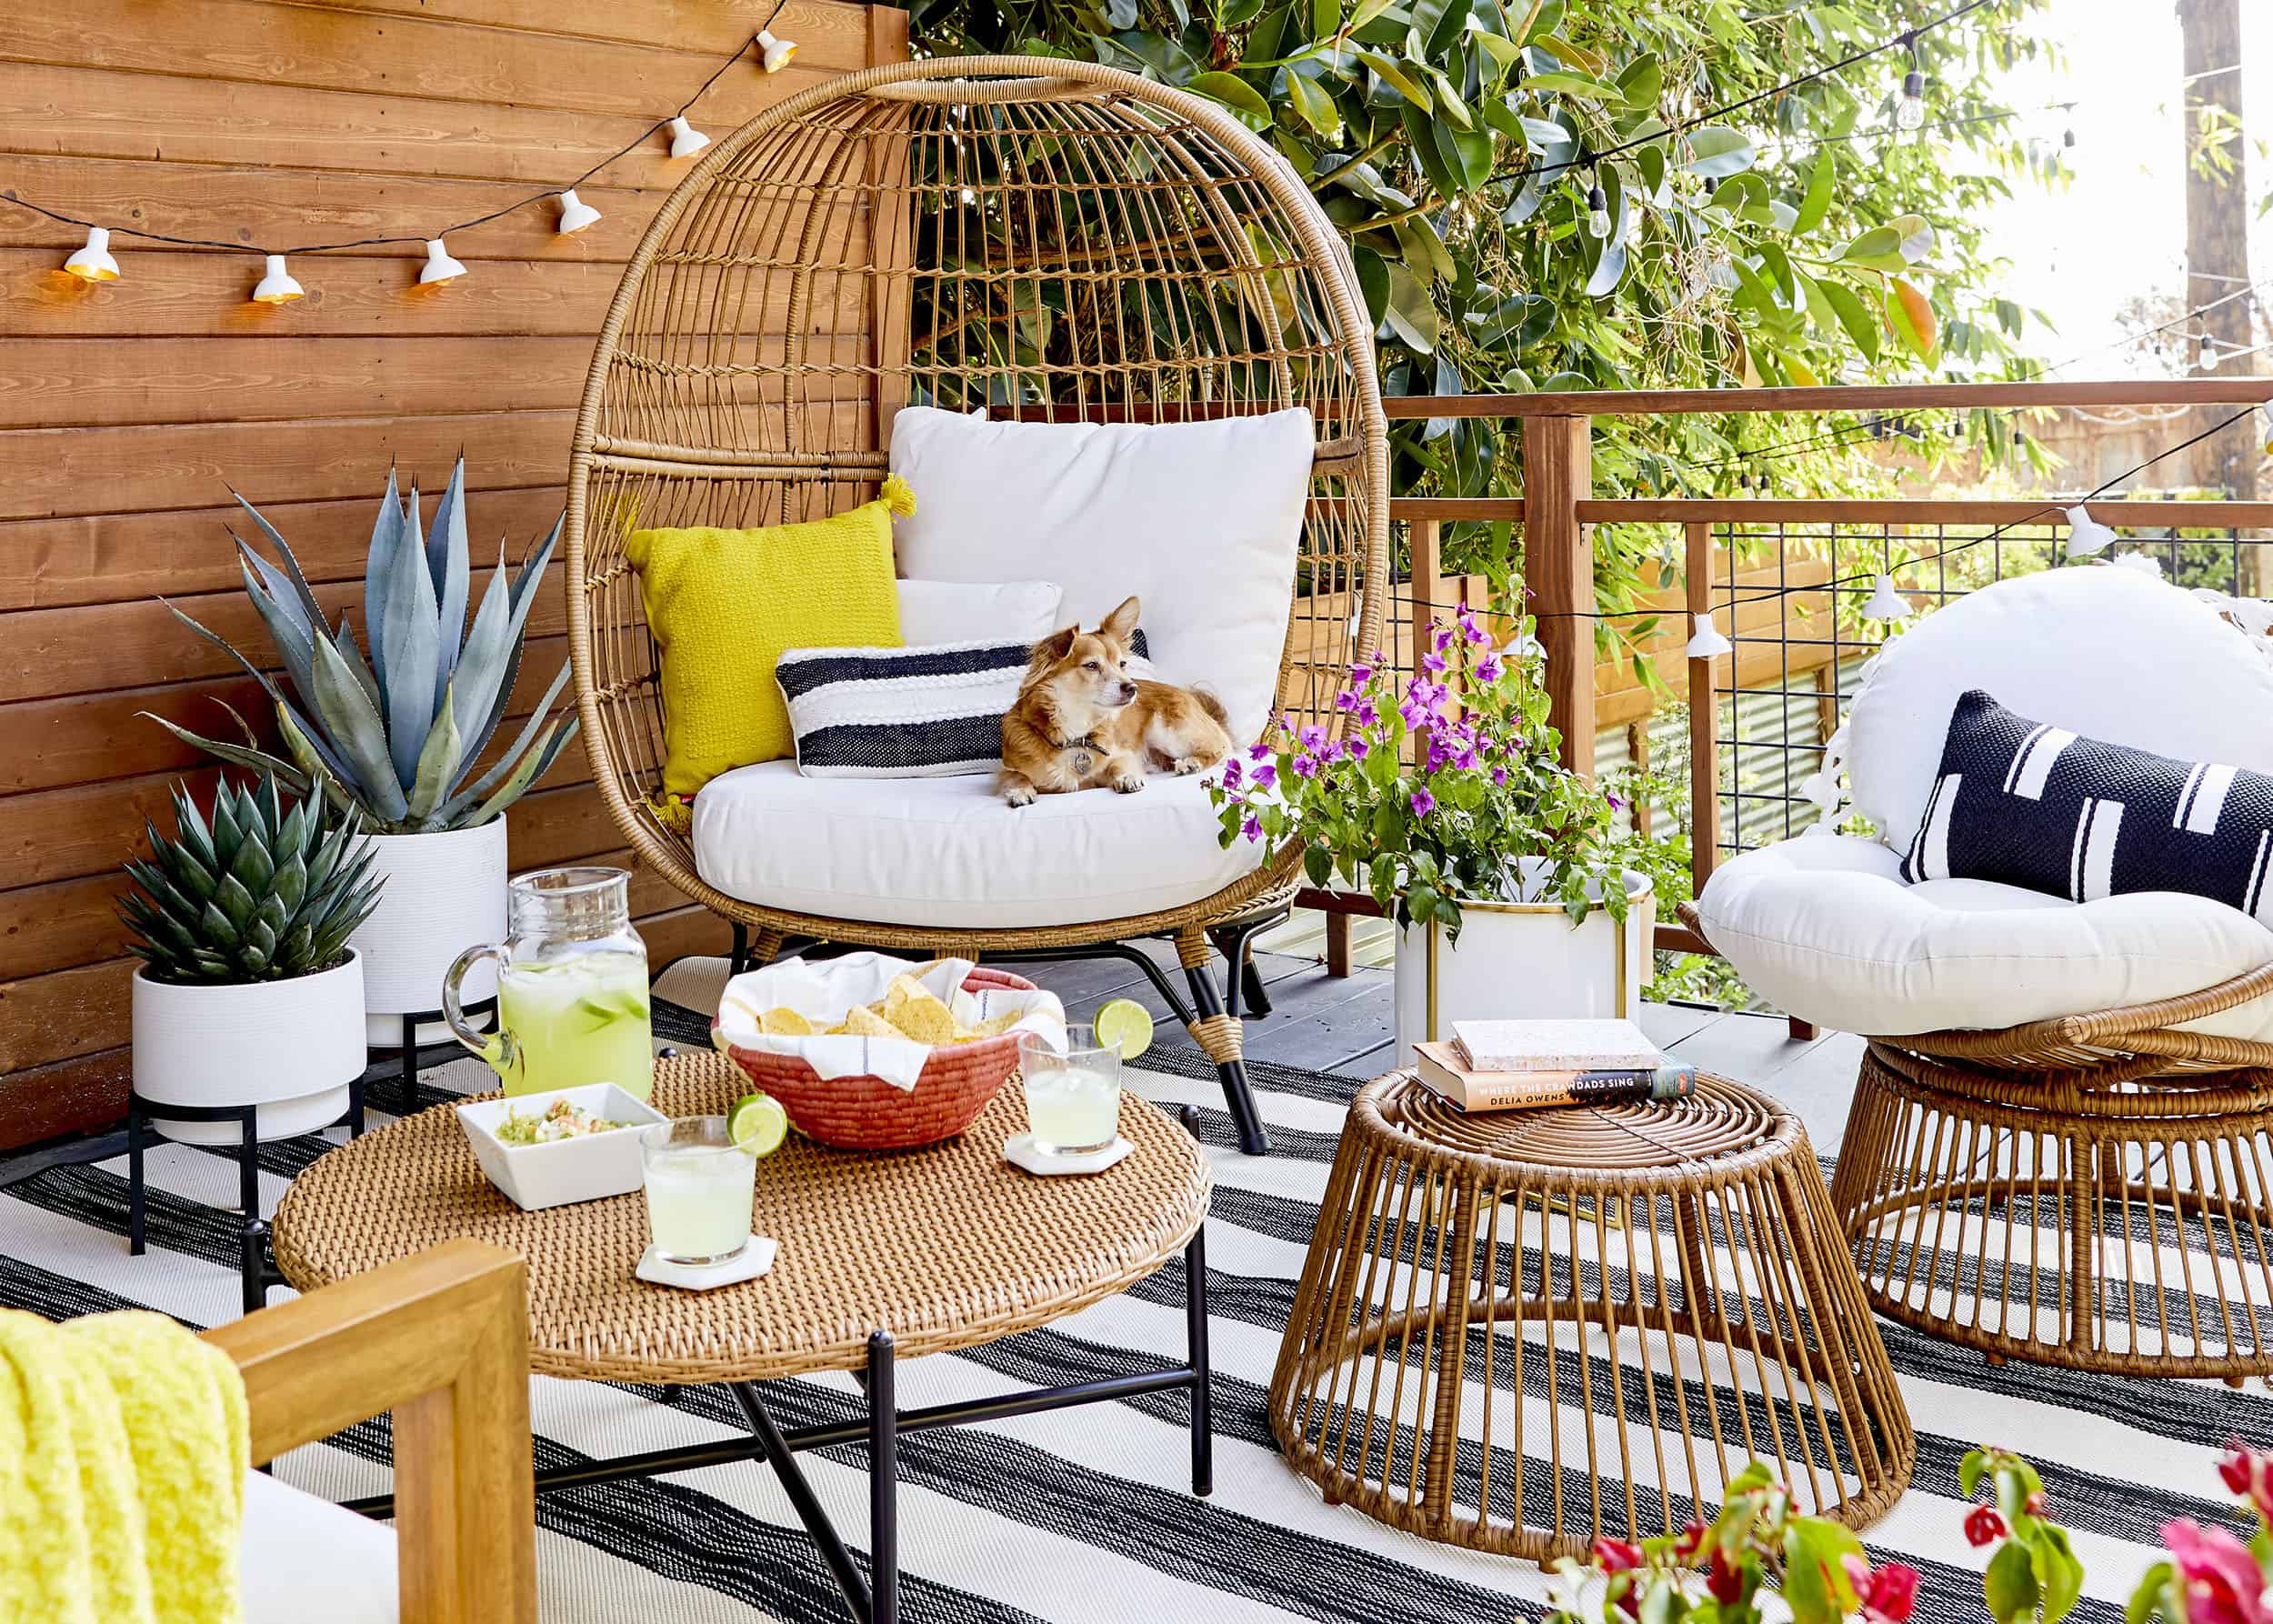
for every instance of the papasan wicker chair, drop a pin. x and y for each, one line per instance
(1051, 240)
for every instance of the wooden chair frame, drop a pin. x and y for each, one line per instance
(973, 230)
(441, 1340)
(2104, 1183)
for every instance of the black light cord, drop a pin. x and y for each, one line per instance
(637, 141)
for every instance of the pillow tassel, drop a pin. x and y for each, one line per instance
(673, 812)
(897, 496)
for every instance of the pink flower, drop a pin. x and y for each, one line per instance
(1258, 752)
(1465, 758)
(1432, 661)
(2223, 1585)
(1983, 1526)
(1331, 751)
(1617, 1556)
(1443, 639)
(1312, 735)
(1266, 775)
(1306, 766)
(1346, 700)
(1500, 776)
(1359, 748)
(1723, 1580)
(1361, 672)
(1364, 716)
(1424, 802)
(2250, 1474)
(1253, 828)
(1691, 1540)
(1488, 669)
(1887, 1593)
(1231, 773)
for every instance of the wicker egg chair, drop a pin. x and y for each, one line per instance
(1053, 240)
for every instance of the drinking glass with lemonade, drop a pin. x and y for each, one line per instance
(572, 986)
(1073, 1100)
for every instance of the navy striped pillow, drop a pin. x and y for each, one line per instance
(2031, 805)
(929, 712)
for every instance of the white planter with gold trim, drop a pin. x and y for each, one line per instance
(1523, 960)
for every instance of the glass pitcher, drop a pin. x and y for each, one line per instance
(572, 986)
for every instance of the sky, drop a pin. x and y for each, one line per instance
(2119, 229)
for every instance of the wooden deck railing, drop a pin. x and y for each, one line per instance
(1770, 569)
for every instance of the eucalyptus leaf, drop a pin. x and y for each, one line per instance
(1717, 150)
(1411, 315)
(1822, 181)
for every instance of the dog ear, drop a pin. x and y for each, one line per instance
(1050, 650)
(1121, 623)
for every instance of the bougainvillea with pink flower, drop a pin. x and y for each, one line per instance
(1431, 787)
(1712, 1572)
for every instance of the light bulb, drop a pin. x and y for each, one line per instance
(776, 52)
(276, 285)
(1704, 639)
(2085, 534)
(2068, 137)
(94, 263)
(1598, 211)
(2207, 356)
(1910, 112)
(439, 266)
(686, 139)
(575, 214)
(1886, 603)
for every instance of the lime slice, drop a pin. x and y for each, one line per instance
(1125, 1025)
(758, 1124)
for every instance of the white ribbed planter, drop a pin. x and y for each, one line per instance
(443, 894)
(290, 1047)
(1523, 960)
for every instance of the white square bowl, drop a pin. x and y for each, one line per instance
(586, 1168)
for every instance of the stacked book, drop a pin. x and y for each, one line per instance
(1520, 1064)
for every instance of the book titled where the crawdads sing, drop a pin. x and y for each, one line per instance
(1537, 1064)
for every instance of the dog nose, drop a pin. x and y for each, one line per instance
(1128, 692)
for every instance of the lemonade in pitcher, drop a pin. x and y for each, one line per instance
(572, 986)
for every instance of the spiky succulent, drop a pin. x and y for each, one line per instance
(267, 891)
(396, 738)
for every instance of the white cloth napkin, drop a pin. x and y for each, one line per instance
(823, 990)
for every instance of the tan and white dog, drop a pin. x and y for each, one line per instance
(1083, 722)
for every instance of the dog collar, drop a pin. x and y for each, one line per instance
(1084, 743)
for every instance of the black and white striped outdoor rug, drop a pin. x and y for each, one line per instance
(1085, 1514)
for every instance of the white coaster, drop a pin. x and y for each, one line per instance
(1019, 1151)
(756, 1260)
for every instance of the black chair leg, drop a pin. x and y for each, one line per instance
(1239, 1098)
(135, 1123)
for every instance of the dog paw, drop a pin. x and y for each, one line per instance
(1127, 783)
(1186, 766)
(1021, 797)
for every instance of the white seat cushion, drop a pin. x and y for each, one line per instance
(2110, 653)
(952, 852)
(306, 1558)
(1823, 927)
(1200, 520)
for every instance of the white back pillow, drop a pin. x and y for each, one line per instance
(964, 612)
(1200, 520)
(2110, 653)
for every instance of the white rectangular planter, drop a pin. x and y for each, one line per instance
(444, 893)
(1522, 960)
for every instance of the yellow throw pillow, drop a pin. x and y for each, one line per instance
(724, 605)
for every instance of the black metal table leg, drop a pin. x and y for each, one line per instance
(409, 1098)
(354, 1109)
(807, 1503)
(135, 1188)
(884, 1482)
(1196, 1346)
(253, 1239)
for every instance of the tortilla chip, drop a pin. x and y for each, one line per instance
(860, 1021)
(994, 1026)
(903, 988)
(924, 1018)
(786, 1022)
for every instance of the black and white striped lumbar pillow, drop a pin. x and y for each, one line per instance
(930, 712)
(2036, 806)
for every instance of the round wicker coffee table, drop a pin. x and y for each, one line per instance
(881, 1254)
(1523, 1329)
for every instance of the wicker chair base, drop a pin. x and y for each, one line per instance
(1523, 1330)
(2080, 1219)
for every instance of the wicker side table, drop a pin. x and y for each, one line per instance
(1521, 1330)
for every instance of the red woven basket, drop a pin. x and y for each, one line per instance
(867, 1113)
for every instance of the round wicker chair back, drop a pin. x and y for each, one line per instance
(1051, 240)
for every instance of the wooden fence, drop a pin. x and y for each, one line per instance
(127, 410)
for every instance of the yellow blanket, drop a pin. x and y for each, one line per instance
(123, 1452)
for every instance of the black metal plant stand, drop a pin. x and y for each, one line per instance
(414, 1056)
(875, 1599)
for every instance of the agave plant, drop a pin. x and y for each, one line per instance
(267, 892)
(395, 739)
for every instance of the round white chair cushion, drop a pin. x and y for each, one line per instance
(952, 852)
(1824, 929)
(2110, 653)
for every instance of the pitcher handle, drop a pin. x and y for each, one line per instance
(496, 1048)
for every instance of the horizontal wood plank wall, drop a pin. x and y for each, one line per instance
(128, 411)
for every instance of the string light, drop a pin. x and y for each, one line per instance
(1705, 641)
(686, 139)
(776, 53)
(277, 285)
(575, 214)
(2087, 536)
(439, 266)
(1910, 112)
(2205, 356)
(1597, 210)
(1887, 602)
(94, 263)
